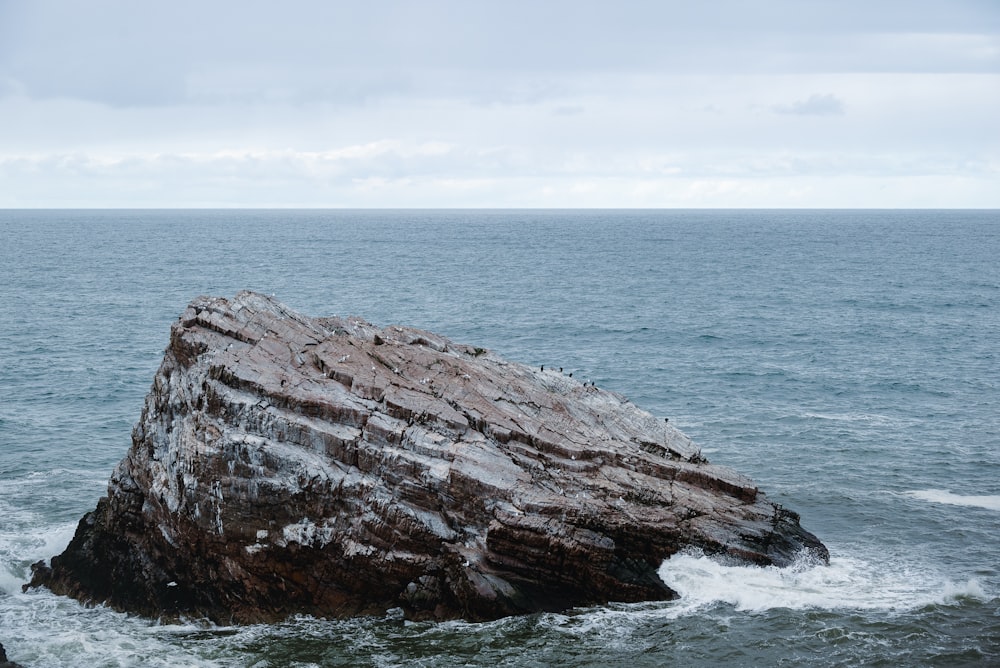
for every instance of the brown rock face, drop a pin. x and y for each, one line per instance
(289, 464)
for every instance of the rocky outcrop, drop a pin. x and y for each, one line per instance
(290, 464)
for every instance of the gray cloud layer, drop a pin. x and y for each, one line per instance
(122, 53)
(515, 103)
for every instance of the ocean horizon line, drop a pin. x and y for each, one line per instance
(480, 209)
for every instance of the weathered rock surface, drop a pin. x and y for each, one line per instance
(290, 464)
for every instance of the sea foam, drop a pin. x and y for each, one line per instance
(849, 582)
(43, 629)
(18, 549)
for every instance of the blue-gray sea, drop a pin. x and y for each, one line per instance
(848, 361)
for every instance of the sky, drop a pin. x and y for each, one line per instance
(443, 104)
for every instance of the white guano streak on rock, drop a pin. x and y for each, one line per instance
(306, 532)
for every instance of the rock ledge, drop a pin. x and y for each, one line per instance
(286, 464)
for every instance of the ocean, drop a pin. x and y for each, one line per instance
(848, 361)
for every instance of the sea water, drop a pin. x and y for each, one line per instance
(846, 360)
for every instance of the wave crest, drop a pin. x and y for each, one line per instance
(989, 502)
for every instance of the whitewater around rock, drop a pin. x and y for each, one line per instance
(287, 464)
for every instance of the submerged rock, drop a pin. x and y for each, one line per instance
(288, 464)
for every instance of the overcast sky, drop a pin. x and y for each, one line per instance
(500, 104)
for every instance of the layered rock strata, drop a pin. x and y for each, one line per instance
(286, 464)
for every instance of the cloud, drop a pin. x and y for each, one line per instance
(394, 173)
(122, 53)
(814, 105)
(449, 103)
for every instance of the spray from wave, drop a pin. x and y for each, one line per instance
(853, 582)
(18, 550)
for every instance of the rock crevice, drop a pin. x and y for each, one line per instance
(288, 464)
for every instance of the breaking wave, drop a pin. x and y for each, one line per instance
(989, 502)
(847, 583)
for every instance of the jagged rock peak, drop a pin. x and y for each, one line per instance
(288, 464)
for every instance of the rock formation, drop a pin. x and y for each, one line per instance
(289, 464)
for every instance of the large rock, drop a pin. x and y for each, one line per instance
(290, 464)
